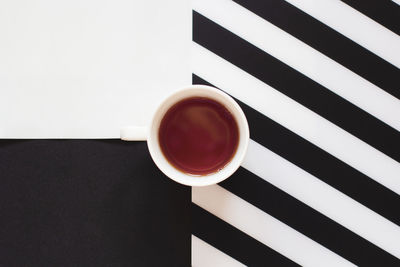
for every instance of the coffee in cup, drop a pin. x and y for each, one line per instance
(198, 135)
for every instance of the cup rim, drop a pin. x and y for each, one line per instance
(187, 179)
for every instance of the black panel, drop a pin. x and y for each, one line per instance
(89, 203)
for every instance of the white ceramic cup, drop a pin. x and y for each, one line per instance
(150, 134)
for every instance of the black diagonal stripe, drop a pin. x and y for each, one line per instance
(329, 42)
(234, 242)
(306, 220)
(296, 85)
(386, 13)
(320, 163)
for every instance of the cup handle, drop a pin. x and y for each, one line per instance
(134, 133)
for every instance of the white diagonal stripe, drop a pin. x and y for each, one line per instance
(205, 255)
(264, 227)
(303, 58)
(323, 198)
(296, 117)
(355, 26)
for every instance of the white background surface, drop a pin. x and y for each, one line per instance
(85, 68)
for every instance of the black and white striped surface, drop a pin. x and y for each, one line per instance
(319, 82)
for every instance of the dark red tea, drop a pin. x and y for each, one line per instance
(198, 135)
